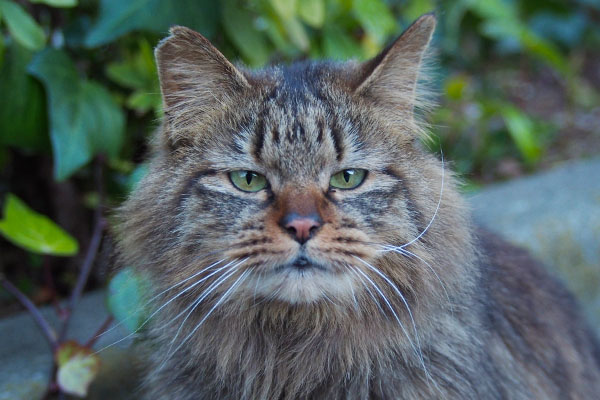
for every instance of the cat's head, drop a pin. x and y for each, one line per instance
(292, 182)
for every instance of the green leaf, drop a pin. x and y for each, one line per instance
(375, 17)
(57, 3)
(297, 34)
(126, 295)
(138, 71)
(337, 45)
(501, 21)
(77, 368)
(413, 9)
(34, 232)
(455, 87)
(126, 74)
(136, 176)
(143, 102)
(521, 130)
(117, 17)
(23, 121)
(84, 118)
(239, 27)
(286, 9)
(21, 26)
(312, 12)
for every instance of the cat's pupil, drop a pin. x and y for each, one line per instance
(347, 175)
(248, 177)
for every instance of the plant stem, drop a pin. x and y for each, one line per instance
(33, 310)
(100, 331)
(88, 263)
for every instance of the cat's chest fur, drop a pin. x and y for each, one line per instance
(303, 245)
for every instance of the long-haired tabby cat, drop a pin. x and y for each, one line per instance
(303, 245)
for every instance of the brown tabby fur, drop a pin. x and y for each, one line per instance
(485, 321)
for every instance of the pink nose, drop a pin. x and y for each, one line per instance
(301, 227)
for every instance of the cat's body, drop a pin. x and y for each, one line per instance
(307, 288)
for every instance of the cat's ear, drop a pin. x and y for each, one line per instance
(392, 76)
(193, 73)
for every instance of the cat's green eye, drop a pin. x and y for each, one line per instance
(348, 178)
(248, 181)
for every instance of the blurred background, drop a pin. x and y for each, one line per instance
(518, 86)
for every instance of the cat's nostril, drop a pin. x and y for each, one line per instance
(301, 228)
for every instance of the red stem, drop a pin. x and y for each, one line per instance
(33, 310)
(99, 332)
(93, 248)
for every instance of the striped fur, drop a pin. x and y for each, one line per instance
(404, 300)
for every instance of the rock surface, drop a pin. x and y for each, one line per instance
(26, 357)
(556, 215)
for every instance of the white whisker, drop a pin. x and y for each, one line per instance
(411, 254)
(391, 309)
(211, 288)
(356, 306)
(157, 296)
(353, 269)
(399, 293)
(166, 304)
(436, 208)
(221, 300)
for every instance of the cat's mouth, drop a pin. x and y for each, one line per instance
(301, 263)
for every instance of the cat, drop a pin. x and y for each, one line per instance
(303, 245)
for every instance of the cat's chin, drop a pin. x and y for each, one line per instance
(307, 284)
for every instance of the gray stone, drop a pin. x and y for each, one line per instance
(556, 216)
(27, 359)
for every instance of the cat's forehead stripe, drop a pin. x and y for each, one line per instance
(296, 113)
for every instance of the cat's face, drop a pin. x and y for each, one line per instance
(304, 186)
(291, 182)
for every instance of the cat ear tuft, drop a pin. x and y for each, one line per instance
(392, 76)
(193, 73)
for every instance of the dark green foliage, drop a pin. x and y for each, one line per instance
(78, 79)
(19, 128)
(84, 118)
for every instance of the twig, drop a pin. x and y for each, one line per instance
(90, 256)
(99, 332)
(33, 310)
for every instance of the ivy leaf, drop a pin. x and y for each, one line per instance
(84, 118)
(77, 368)
(375, 17)
(34, 232)
(413, 9)
(312, 12)
(239, 26)
(337, 45)
(57, 3)
(286, 9)
(143, 102)
(117, 18)
(126, 298)
(22, 26)
(136, 176)
(521, 129)
(138, 72)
